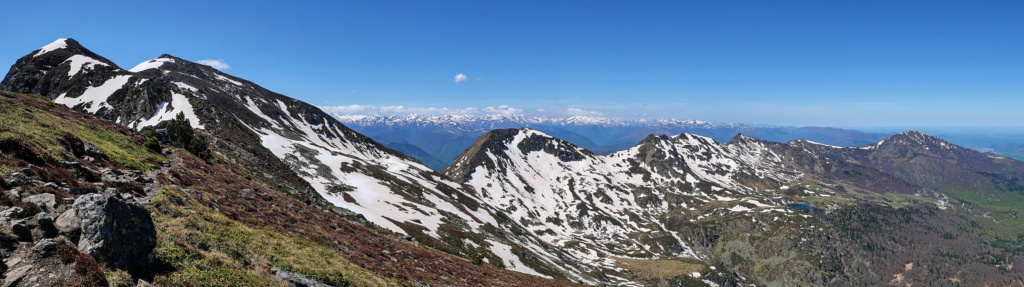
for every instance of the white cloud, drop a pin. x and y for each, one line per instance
(461, 78)
(502, 109)
(581, 112)
(218, 64)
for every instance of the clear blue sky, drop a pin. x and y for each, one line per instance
(818, 63)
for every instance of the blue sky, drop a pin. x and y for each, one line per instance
(806, 63)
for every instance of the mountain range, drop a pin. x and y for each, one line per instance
(564, 200)
(436, 140)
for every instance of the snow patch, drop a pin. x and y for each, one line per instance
(226, 79)
(821, 144)
(56, 45)
(81, 61)
(151, 64)
(511, 261)
(96, 97)
(184, 86)
(179, 104)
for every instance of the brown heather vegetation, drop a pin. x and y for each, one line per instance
(88, 273)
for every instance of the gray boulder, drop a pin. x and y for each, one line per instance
(44, 226)
(116, 232)
(12, 213)
(45, 247)
(296, 279)
(45, 200)
(22, 229)
(69, 225)
(44, 218)
(92, 150)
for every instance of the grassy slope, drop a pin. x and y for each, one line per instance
(36, 129)
(34, 132)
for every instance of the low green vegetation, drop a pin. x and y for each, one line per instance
(34, 134)
(996, 214)
(661, 269)
(822, 201)
(201, 245)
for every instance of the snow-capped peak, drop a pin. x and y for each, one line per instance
(56, 45)
(151, 64)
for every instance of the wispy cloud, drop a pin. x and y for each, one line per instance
(461, 78)
(218, 64)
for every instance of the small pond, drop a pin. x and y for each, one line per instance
(806, 207)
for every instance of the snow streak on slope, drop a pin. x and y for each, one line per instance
(95, 97)
(179, 103)
(82, 61)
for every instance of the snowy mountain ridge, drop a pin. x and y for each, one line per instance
(290, 143)
(615, 204)
(533, 201)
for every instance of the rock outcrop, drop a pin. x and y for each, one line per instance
(114, 231)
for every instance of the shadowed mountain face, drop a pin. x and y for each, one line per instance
(663, 210)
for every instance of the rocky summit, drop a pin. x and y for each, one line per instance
(175, 173)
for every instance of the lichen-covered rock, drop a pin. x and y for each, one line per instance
(118, 233)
